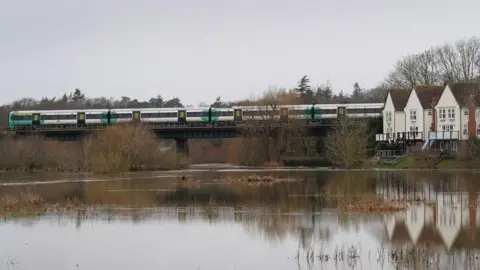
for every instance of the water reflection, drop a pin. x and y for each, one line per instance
(170, 224)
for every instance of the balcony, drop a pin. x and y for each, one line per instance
(399, 136)
(443, 135)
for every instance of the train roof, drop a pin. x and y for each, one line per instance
(61, 111)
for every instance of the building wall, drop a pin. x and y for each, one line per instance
(413, 105)
(447, 101)
(399, 121)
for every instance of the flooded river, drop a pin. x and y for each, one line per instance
(201, 219)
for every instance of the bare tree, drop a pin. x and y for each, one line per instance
(346, 144)
(452, 63)
(468, 53)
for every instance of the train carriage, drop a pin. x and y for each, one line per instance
(221, 114)
(263, 112)
(296, 111)
(19, 119)
(123, 115)
(197, 114)
(159, 115)
(364, 110)
(325, 111)
(94, 117)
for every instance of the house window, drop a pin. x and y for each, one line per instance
(388, 116)
(442, 114)
(465, 112)
(413, 129)
(464, 128)
(447, 127)
(413, 115)
(478, 129)
(429, 112)
(451, 113)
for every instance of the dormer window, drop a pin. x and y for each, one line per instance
(413, 115)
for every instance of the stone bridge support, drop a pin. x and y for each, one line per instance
(182, 145)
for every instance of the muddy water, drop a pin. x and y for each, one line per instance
(196, 219)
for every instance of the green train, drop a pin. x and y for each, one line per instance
(26, 119)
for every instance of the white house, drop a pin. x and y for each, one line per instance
(393, 114)
(419, 111)
(457, 112)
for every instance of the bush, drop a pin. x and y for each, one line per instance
(118, 148)
(130, 147)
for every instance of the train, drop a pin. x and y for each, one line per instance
(24, 119)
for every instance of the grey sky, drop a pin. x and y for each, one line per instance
(197, 50)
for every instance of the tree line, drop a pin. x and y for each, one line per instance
(448, 63)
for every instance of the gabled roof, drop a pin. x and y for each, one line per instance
(429, 95)
(399, 98)
(464, 91)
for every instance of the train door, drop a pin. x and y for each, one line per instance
(237, 114)
(35, 119)
(136, 116)
(81, 118)
(341, 113)
(181, 116)
(284, 114)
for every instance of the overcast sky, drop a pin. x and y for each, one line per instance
(197, 50)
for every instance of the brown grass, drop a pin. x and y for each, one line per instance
(26, 201)
(371, 204)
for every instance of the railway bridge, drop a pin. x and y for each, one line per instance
(182, 124)
(180, 132)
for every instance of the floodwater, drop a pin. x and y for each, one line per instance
(157, 220)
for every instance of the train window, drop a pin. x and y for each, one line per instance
(67, 117)
(159, 115)
(17, 117)
(95, 116)
(325, 111)
(222, 113)
(252, 113)
(355, 111)
(48, 117)
(121, 115)
(197, 114)
(299, 112)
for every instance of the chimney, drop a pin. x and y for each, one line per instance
(434, 112)
(472, 123)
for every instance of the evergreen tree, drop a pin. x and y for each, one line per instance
(78, 95)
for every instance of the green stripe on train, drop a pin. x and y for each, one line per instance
(214, 115)
(104, 118)
(10, 122)
(204, 116)
(113, 120)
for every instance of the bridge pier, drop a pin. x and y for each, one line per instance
(182, 145)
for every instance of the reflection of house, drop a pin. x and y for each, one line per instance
(449, 222)
(453, 214)
(391, 190)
